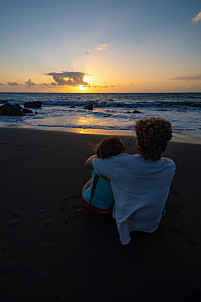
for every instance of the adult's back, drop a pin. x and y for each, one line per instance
(140, 189)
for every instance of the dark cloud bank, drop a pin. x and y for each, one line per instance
(188, 77)
(67, 78)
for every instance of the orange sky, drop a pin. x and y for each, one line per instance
(146, 46)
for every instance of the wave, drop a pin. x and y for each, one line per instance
(100, 127)
(130, 101)
(113, 104)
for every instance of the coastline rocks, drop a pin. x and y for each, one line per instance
(11, 110)
(89, 107)
(34, 104)
(27, 110)
(14, 110)
(136, 111)
(18, 106)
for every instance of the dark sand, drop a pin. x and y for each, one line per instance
(50, 252)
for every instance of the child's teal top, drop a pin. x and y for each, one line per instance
(103, 196)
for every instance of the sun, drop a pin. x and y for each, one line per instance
(85, 84)
(86, 78)
(81, 87)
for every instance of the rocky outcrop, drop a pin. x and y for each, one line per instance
(18, 106)
(27, 110)
(14, 110)
(89, 107)
(9, 109)
(34, 104)
(136, 111)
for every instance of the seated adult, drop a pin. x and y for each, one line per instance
(140, 182)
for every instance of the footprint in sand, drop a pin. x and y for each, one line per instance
(70, 205)
(75, 196)
(69, 202)
(43, 216)
(76, 202)
(15, 219)
(64, 206)
(190, 242)
(175, 221)
(6, 267)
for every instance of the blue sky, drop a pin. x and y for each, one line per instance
(115, 46)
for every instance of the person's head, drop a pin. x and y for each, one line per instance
(153, 135)
(110, 146)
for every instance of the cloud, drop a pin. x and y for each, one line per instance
(13, 84)
(105, 86)
(45, 85)
(197, 17)
(99, 48)
(190, 77)
(67, 78)
(102, 47)
(30, 83)
(88, 51)
(50, 85)
(60, 79)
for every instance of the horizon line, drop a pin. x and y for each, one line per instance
(99, 92)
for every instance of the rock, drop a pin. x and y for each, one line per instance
(34, 104)
(18, 106)
(27, 111)
(72, 106)
(89, 107)
(128, 112)
(9, 109)
(136, 111)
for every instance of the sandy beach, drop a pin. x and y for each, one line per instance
(51, 252)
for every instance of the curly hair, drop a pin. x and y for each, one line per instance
(153, 135)
(110, 146)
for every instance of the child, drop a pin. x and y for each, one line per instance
(97, 194)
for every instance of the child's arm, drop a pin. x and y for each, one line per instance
(88, 162)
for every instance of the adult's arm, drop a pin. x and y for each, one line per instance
(88, 162)
(106, 166)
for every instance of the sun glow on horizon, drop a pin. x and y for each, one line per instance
(86, 79)
(81, 87)
(86, 83)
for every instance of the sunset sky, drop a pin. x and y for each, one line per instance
(100, 46)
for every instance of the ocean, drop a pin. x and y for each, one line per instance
(113, 113)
